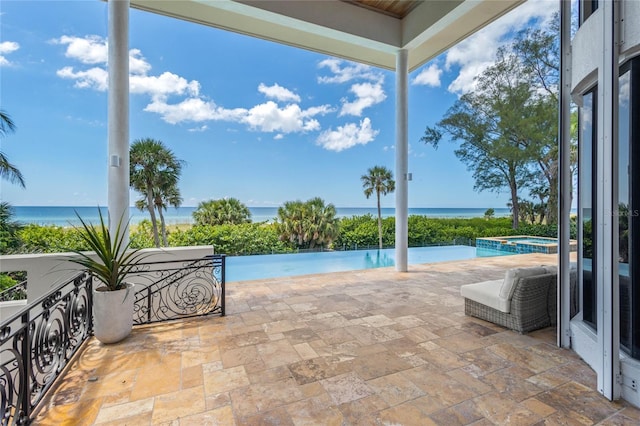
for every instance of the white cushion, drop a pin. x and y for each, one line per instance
(487, 293)
(512, 275)
(551, 269)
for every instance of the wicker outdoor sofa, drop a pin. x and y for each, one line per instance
(523, 301)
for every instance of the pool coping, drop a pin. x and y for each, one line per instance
(502, 243)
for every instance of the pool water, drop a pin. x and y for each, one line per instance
(241, 268)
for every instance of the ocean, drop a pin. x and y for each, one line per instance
(65, 216)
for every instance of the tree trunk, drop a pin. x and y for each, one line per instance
(515, 206)
(152, 213)
(163, 228)
(379, 222)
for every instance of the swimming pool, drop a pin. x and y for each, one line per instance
(523, 244)
(241, 268)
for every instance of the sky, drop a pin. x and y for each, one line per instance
(251, 119)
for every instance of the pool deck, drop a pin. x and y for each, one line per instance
(372, 347)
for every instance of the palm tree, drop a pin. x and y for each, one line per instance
(308, 224)
(155, 170)
(378, 179)
(167, 194)
(321, 224)
(9, 228)
(224, 211)
(291, 222)
(7, 170)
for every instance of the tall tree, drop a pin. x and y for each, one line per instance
(378, 180)
(321, 224)
(7, 170)
(154, 172)
(538, 51)
(167, 194)
(9, 228)
(220, 212)
(307, 224)
(507, 126)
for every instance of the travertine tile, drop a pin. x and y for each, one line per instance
(405, 414)
(119, 412)
(261, 397)
(217, 381)
(277, 353)
(178, 404)
(346, 388)
(305, 351)
(358, 348)
(395, 389)
(314, 411)
(220, 416)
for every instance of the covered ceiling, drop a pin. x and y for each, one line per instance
(366, 31)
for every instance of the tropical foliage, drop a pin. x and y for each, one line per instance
(378, 180)
(9, 240)
(7, 170)
(309, 224)
(49, 239)
(242, 239)
(6, 281)
(114, 261)
(507, 126)
(154, 173)
(355, 232)
(226, 211)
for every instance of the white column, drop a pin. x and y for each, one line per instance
(402, 156)
(607, 274)
(118, 113)
(565, 183)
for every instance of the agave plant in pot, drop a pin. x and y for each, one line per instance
(113, 261)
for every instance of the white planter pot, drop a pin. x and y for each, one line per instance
(113, 313)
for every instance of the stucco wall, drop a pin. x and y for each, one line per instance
(586, 53)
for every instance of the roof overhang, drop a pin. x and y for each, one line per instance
(344, 28)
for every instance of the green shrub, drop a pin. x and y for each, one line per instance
(243, 239)
(6, 281)
(49, 239)
(142, 235)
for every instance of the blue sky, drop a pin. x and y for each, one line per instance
(252, 119)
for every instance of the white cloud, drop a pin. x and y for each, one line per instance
(194, 108)
(165, 84)
(269, 117)
(91, 49)
(198, 129)
(476, 53)
(7, 47)
(93, 78)
(347, 136)
(367, 95)
(429, 76)
(278, 92)
(266, 117)
(137, 63)
(345, 71)
(278, 136)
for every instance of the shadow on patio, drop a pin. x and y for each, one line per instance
(355, 348)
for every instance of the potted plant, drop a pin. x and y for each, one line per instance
(113, 297)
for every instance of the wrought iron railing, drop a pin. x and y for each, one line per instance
(172, 290)
(40, 340)
(17, 292)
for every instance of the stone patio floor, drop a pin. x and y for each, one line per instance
(372, 347)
